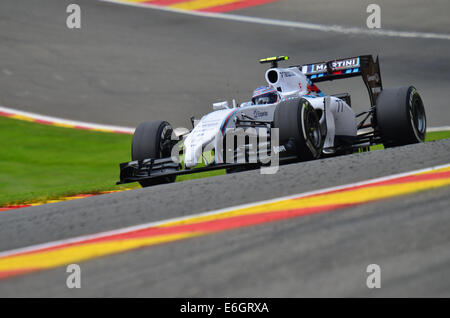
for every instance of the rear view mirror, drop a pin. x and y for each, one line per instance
(220, 105)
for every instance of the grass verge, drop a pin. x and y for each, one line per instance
(431, 136)
(39, 162)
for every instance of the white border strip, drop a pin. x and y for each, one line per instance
(292, 24)
(62, 121)
(442, 128)
(214, 212)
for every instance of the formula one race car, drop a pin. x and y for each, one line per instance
(290, 119)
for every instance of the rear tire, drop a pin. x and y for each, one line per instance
(401, 116)
(152, 140)
(298, 121)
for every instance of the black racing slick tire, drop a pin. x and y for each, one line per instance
(152, 140)
(298, 124)
(400, 115)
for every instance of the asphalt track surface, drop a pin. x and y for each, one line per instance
(321, 255)
(127, 65)
(106, 73)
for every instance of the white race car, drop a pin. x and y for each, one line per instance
(290, 118)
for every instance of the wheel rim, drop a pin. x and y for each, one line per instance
(418, 116)
(165, 147)
(164, 142)
(313, 130)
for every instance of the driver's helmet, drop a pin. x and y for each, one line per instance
(264, 95)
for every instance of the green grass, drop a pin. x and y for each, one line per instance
(39, 162)
(431, 136)
(437, 135)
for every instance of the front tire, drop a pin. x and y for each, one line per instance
(401, 116)
(152, 140)
(298, 122)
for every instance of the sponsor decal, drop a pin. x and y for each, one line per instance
(286, 74)
(347, 63)
(259, 114)
(317, 68)
(335, 65)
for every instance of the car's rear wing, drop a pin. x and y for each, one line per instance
(363, 65)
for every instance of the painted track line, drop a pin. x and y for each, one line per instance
(58, 253)
(292, 24)
(436, 129)
(60, 122)
(78, 196)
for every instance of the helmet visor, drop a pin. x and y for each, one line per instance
(268, 98)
